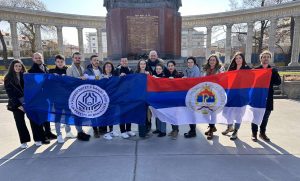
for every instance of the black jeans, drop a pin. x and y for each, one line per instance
(144, 128)
(211, 125)
(125, 127)
(263, 124)
(47, 128)
(37, 130)
(21, 126)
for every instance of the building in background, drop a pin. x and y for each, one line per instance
(91, 46)
(192, 43)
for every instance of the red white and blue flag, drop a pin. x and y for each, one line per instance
(231, 97)
(236, 96)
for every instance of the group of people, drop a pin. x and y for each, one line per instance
(153, 66)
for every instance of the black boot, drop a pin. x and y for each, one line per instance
(264, 137)
(234, 135)
(254, 137)
(190, 134)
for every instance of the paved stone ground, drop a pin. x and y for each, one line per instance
(156, 159)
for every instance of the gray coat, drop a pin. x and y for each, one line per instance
(192, 72)
(72, 71)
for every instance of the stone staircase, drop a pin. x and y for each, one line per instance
(3, 95)
(278, 93)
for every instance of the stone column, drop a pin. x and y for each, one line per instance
(60, 40)
(296, 43)
(38, 38)
(249, 42)
(272, 39)
(190, 42)
(99, 40)
(208, 41)
(228, 44)
(14, 39)
(80, 40)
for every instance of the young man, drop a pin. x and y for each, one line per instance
(265, 58)
(123, 70)
(60, 69)
(76, 70)
(93, 71)
(39, 67)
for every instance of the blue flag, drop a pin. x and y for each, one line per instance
(73, 101)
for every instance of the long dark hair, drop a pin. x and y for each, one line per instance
(218, 64)
(138, 68)
(112, 68)
(11, 74)
(233, 64)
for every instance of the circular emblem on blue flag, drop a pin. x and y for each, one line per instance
(89, 101)
(206, 97)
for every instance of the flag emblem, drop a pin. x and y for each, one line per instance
(88, 101)
(206, 98)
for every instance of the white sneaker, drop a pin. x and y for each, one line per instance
(107, 136)
(69, 135)
(60, 139)
(114, 134)
(124, 135)
(24, 146)
(131, 133)
(38, 143)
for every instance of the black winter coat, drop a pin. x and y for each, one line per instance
(15, 92)
(59, 71)
(36, 69)
(120, 69)
(275, 80)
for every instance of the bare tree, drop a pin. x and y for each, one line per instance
(27, 29)
(261, 26)
(4, 48)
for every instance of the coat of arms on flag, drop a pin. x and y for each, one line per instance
(206, 98)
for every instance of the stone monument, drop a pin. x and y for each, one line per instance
(134, 27)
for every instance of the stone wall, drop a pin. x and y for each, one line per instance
(291, 89)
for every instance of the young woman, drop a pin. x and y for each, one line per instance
(14, 86)
(161, 127)
(191, 71)
(142, 68)
(108, 70)
(172, 73)
(212, 67)
(238, 63)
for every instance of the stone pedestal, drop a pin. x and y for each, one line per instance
(135, 28)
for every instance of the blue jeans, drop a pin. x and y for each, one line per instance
(57, 128)
(236, 125)
(161, 126)
(58, 123)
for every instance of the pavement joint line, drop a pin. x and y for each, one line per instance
(135, 160)
(136, 156)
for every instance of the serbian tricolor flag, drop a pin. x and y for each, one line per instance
(231, 97)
